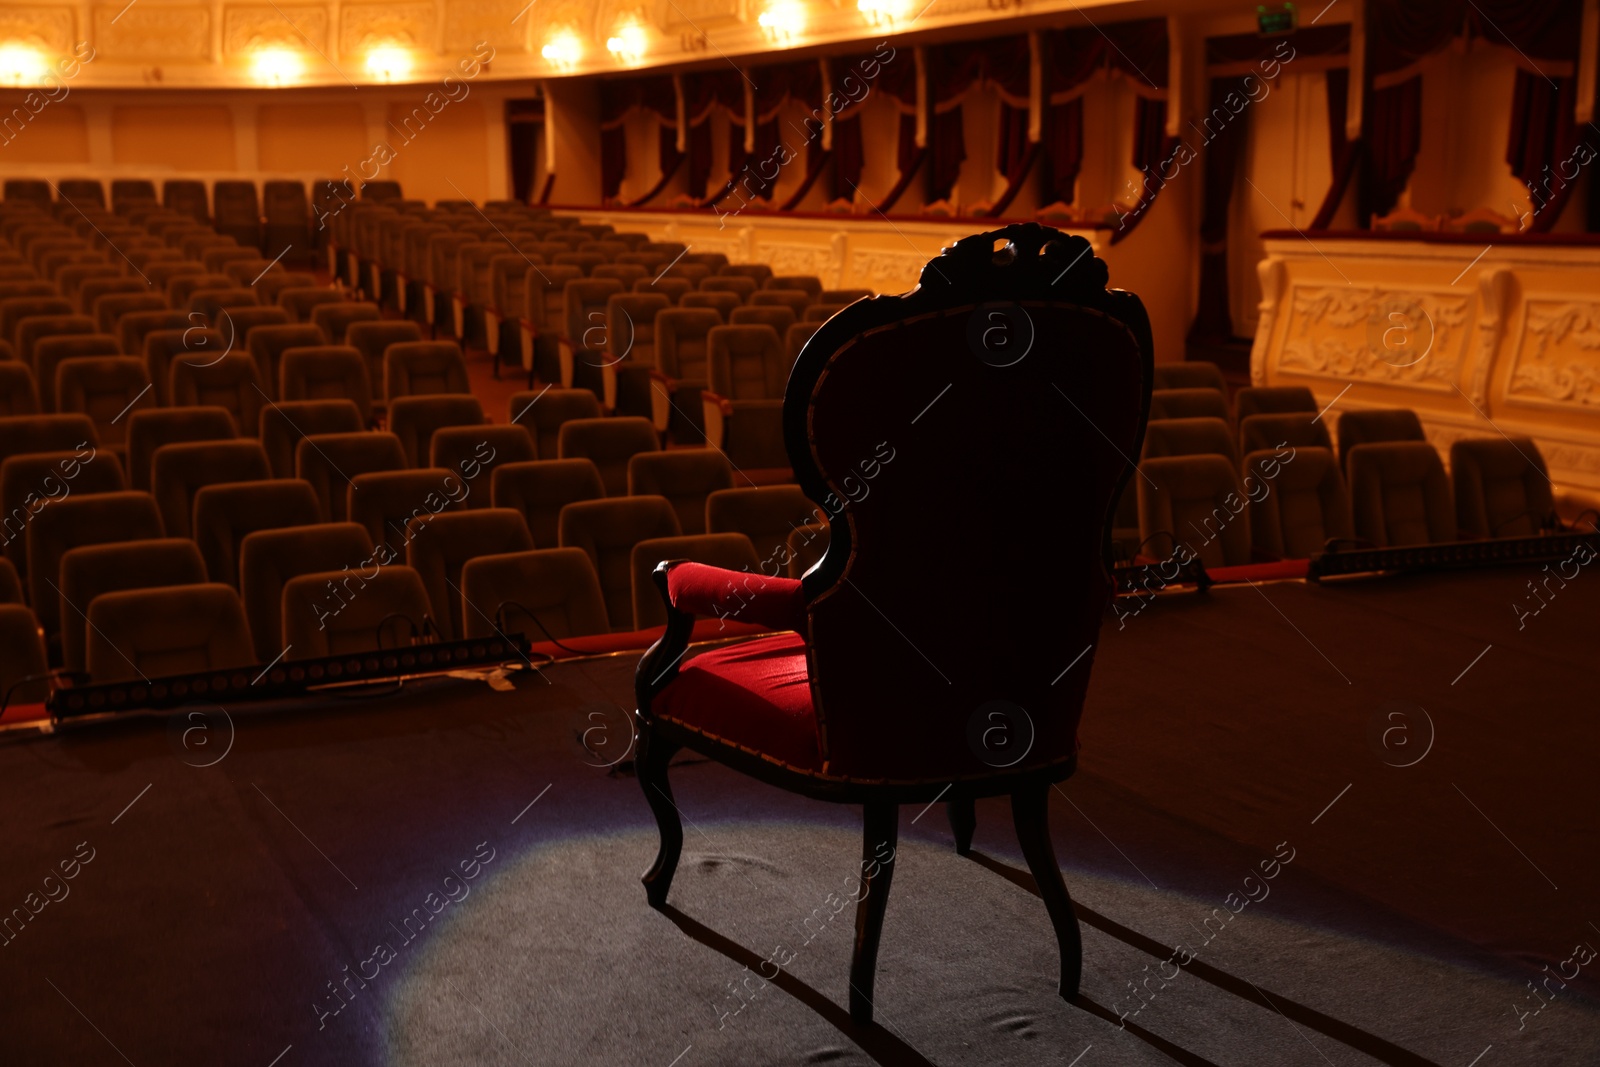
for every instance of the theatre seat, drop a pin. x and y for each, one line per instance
(1189, 404)
(237, 211)
(766, 514)
(607, 530)
(1294, 428)
(1399, 494)
(759, 272)
(283, 425)
(37, 480)
(730, 551)
(1189, 437)
(415, 419)
(31, 329)
(630, 353)
(796, 300)
(545, 411)
(86, 520)
(1194, 500)
(1502, 488)
(385, 502)
(740, 286)
(685, 476)
(327, 462)
(269, 558)
(179, 471)
(723, 303)
(133, 327)
(474, 452)
(18, 394)
(325, 372)
(335, 319)
(301, 300)
(423, 368)
(358, 613)
(1274, 400)
(776, 316)
(22, 434)
(1375, 425)
(50, 352)
(1297, 504)
(225, 513)
(153, 633)
(540, 489)
(547, 594)
(268, 343)
(610, 444)
(373, 338)
(90, 570)
(229, 381)
(671, 287)
(1189, 375)
(439, 545)
(23, 665)
(105, 388)
(148, 430)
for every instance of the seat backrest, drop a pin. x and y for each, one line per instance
(225, 513)
(585, 311)
(1502, 487)
(372, 611)
(544, 289)
(21, 434)
(1297, 500)
(90, 570)
(685, 476)
(18, 394)
(746, 362)
(440, 544)
(1188, 437)
(179, 471)
(325, 372)
(610, 443)
(105, 388)
(683, 342)
(152, 633)
(150, 429)
(796, 300)
(1374, 425)
(1273, 400)
(1195, 374)
(1189, 404)
(283, 425)
(269, 558)
(417, 368)
(415, 419)
(37, 480)
(766, 514)
(327, 462)
(230, 382)
(778, 317)
(1399, 494)
(50, 352)
(134, 326)
(372, 338)
(544, 594)
(473, 453)
(809, 284)
(607, 530)
(386, 502)
(1191, 507)
(336, 318)
(541, 488)
(631, 326)
(1297, 428)
(759, 272)
(1074, 401)
(722, 303)
(268, 343)
(86, 520)
(731, 551)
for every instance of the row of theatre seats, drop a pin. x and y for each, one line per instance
(279, 218)
(1260, 480)
(233, 462)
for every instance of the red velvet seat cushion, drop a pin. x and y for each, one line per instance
(756, 695)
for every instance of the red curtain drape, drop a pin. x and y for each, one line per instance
(704, 93)
(1544, 148)
(1392, 133)
(1343, 153)
(952, 70)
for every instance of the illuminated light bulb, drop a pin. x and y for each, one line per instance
(883, 12)
(629, 44)
(563, 50)
(277, 66)
(21, 65)
(783, 20)
(389, 62)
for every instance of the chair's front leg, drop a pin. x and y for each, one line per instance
(963, 822)
(651, 765)
(881, 832)
(1031, 812)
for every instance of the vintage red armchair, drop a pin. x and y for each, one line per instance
(968, 441)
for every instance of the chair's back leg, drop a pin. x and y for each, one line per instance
(1031, 813)
(651, 765)
(963, 814)
(881, 832)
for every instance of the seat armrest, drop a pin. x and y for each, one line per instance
(743, 596)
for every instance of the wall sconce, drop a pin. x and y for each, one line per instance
(630, 43)
(782, 21)
(883, 13)
(277, 66)
(563, 50)
(389, 62)
(22, 65)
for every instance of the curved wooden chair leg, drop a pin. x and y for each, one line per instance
(881, 831)
(651, 764)
(1030, 811)
(963, 821)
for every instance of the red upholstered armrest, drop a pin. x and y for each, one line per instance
(740, 596)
